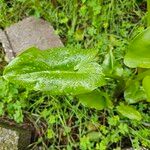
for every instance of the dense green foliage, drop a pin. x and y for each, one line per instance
(62, 122)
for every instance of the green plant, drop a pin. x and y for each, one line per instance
(59, 71)
(61, 122)
(138, 56)
(63, 71)
(12, 100)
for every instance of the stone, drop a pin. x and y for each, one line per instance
(14, 137)
(9, 139)
(4, 41)
(27, 33)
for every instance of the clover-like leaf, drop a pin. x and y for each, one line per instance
(3, 88)
(138, 53)
(58, 70)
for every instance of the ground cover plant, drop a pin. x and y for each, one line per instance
(121, 118)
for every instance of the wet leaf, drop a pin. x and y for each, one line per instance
(138, 54)
(129, 112)
(58, 70)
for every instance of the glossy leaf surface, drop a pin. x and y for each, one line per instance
(57, 70)
(138, 52)
(129, 112)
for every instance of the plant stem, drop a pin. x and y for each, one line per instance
(148, 13)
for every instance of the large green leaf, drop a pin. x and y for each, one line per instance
(95, 99)
(129, 112)
(138, 54)
(58, 70)
(146, 85)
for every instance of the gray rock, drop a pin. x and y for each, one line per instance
(13, 137)
(9, 139)
(6, 45)
(27, 33)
